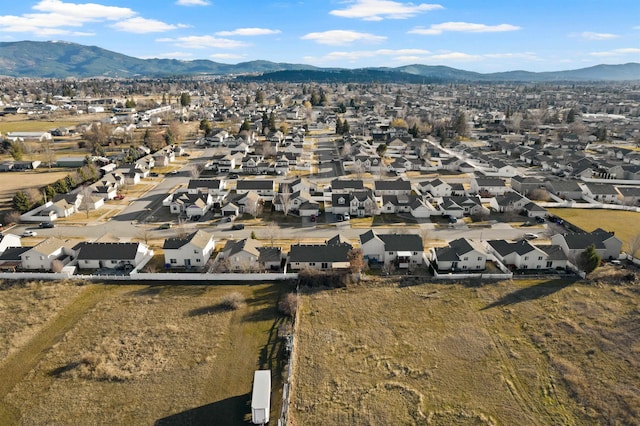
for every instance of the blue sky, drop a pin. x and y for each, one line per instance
(477, 35)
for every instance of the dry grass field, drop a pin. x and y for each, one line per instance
(625, 224)
(123, 355)
(12, 182)
(512, 353)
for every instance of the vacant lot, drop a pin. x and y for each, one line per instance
(11, 182)
(141, 355)
(513, 353)
(625, 224)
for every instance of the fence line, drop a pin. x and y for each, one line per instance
(148, 277)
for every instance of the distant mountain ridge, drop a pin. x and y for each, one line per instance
(63, 59)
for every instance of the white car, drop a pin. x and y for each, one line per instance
(530, 236)
(29, 233)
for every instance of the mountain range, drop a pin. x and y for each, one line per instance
(50, 59)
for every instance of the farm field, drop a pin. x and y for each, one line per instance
(513, 353)
(11, 182)
(136, 354)
(625, 224)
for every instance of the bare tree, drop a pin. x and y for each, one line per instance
(285, 197)
(634, 245)
(87, 202)
(57, 265)
(539, 194)
(196, 169)
(272, 232)
(347, 149)
(48, 152)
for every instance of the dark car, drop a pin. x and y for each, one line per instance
(233, 176)
(237, 226)
(46, 225)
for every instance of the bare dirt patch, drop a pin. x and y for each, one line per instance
(535, 353)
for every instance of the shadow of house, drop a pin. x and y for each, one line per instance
(227, 412)
(526, 294)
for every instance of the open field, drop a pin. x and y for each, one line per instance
(626, 225)
(118, 354)
(12, 182)
(512, 353)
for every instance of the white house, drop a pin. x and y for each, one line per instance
(193, 251)
(402, 250)
(460, 255)
(42, 255)
(111, 255)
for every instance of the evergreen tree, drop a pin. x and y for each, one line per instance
(338, 126)
(185, 99)
(259, 97)
(245, 125)
(588, 260)
(21, 202)
(272, 122)
(205, 126)
(571, 116)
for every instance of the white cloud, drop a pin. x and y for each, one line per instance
(342, 37)
(192, 3)
(248, 32)
(618, 52)
(588, 35)
(143, 26)
(466, 27)
(377, 10)
(84, 12)
(226, 56)
(203, 42)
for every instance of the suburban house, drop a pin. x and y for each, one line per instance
(42, 255)
(345, 186)
(9, 240)
(264, 187)
(436, 187)
(189, 204)
(460, 255)
(192, 251)
(565, 189)
(250, 255)
(532, 209)
(333, 255)
(510, 201)
(606, 244)
(525, 184)
(392, 187)
(520, 254)
(491, 185)
(111, 255)
(602, 192)
(401, 250)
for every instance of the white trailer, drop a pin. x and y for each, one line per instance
(261, 397)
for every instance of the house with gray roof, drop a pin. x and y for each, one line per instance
(519, 255)
(333, 255)
(250, 255)
(606, 244)
(111, 255)
(192, 251)
(392, 187)
(401, 250)
(460, 255)
(41, 256)
(565, 189)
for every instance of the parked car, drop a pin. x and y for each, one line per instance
(153, 174)
(530, 236)
(238, 226)
(233, 176)
(165, 226)
(46, 225)
(540, 219)
(173, 172)
(119, 197)
(29, 233)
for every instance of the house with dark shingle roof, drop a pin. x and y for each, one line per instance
(460, 255)
(264, 187)
(192, 251)
(392, 187)
(111, 255)
(333, 255)
(519, 254)
(606, 244)
(250, 255)
(402, 250)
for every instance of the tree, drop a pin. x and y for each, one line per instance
(174, 134)
(347, 149)
(588, 260)
(399, 123)
(259, 96)
(634, 245)
(381, 149)
(185, 99)
(284, 194)
(49, 155)
(21, 202)
(246, 125)
(356, 260)
(288, 305)
(130, 103)
(17, 150)
(571, 116)
(460, 123)
(206, 127)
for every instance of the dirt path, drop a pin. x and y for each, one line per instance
(16, 366)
